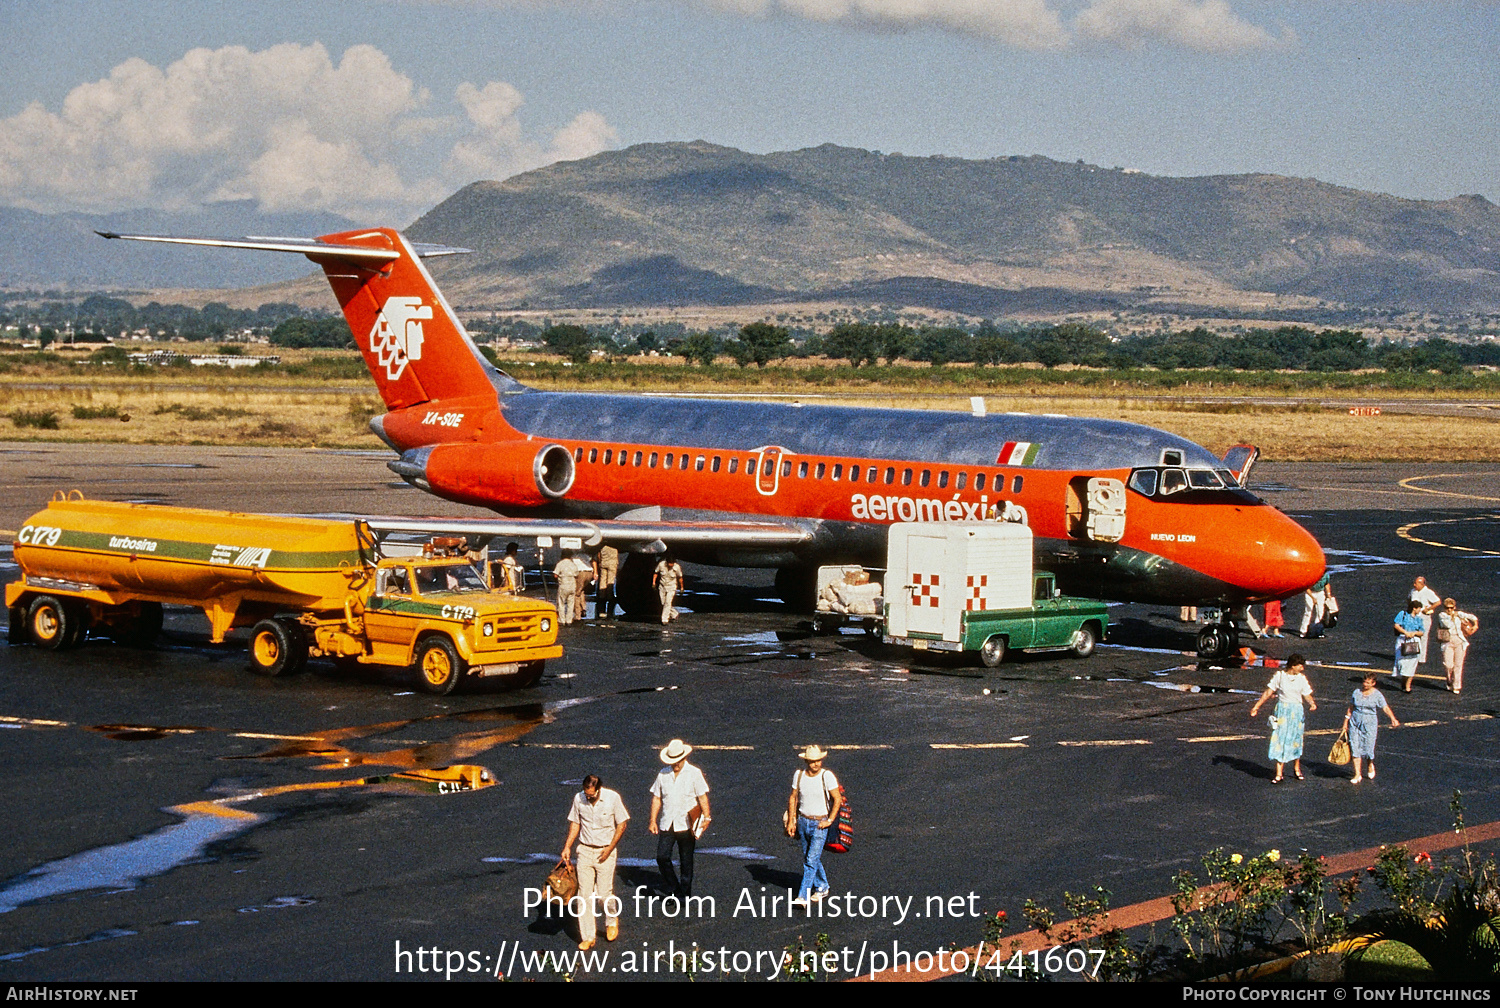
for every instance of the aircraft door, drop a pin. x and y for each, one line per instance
(768, 470)
(1106, 510)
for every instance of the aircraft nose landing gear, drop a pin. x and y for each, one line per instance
(1218, 641)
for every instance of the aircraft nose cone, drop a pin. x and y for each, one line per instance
(1283, 560)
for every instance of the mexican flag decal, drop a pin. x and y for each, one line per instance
(1017, 453)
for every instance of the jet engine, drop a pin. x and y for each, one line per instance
(521, 473)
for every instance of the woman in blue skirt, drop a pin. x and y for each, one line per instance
(1290, 687)
(1363, 720)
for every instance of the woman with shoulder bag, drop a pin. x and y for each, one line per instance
(1409, 630)
(1454, 628)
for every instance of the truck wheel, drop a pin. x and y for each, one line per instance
(530, 674)
(277, 647)
(439, 668)
(54, 624)
(1083, 642)
(141, 630)
(992, 653)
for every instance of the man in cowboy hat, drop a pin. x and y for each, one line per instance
(679, 814)
(810, 810)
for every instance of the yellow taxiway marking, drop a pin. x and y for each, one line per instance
(37, 722)
(1220, 738)
(1474, 717)
(571, 745)
(1405, 533)
(1325, 731)
(1408, 484)
(277, 738)
(1420, 724)
(1379, 672)
(831, 748)
(718, 747)
(976, 745)
(1116, 741)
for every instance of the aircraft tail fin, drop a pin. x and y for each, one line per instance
(412, 342)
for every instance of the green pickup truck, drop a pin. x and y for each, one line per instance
(1052, 622)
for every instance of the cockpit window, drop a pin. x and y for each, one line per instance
(450, 578)
(1143, 481)
(1172, 480)
(1204, 479)
(1171, 457)
(1227, 477)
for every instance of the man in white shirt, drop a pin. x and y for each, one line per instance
(597, 821)
(1431, 602)
(811, 809)
(568, 599)
(679, 815)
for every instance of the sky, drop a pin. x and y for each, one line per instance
(378, 109)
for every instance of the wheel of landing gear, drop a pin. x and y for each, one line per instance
(798, 587)
(1214, 643)
(633, 589)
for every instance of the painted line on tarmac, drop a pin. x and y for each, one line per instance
(1109, 742)
(977, 745)
(1220, 738)
(33, 722)
(1408, 484)
(569, 745)
(1405, 533)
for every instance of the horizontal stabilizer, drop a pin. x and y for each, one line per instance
(310, 247)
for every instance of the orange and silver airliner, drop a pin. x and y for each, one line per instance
(1120, 511)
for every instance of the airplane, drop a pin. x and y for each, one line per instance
(1119, 511)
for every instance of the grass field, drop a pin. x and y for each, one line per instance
(325, 398)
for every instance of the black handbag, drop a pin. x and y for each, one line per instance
(1411, 647)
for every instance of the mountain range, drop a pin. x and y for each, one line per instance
(685, 223)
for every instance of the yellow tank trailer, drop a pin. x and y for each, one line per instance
(307, 587)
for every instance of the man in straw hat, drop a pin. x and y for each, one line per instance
(811, 809)
(679, 815)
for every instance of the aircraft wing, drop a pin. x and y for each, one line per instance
(594, 532)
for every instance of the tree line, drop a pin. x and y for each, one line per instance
(868, 344)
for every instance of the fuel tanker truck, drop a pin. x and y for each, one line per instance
(307, 587)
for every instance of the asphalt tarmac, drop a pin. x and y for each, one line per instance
(1066, 774)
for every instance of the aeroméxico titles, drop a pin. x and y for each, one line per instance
(1119, 510)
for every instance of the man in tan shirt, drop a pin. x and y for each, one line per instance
(596, 821)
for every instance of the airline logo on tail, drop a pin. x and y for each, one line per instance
(397, 335)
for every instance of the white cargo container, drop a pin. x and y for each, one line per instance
(937, 571)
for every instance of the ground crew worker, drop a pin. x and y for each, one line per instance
(606, 570)
(566, 572)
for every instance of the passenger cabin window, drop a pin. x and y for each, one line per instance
(1172, 480)
(578, 454)
(802, 470)
(682, 463)
(1015, 483)
(699, 463)
(638, 459)
(906, 477)
(926, 477)
(1143, 481)
(890, 475)
(1204, 479)
(943, 480)
(786, 468)
(870, 476)
(625, 455)
(651, 462)
(734, 465)
(979, 479)
(838, 471)
(609, 456)
(963, 479)
(853, 474)
(593, 455)
(714, 465)
(822, 468)
(670, 459)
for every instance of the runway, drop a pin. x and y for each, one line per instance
(171, 819)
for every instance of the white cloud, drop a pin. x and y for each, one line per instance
(286, 126)
(1028, 24)
(1202, 25)
(1207, 25)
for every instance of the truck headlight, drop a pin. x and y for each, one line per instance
(489, 629)
(546, 624)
